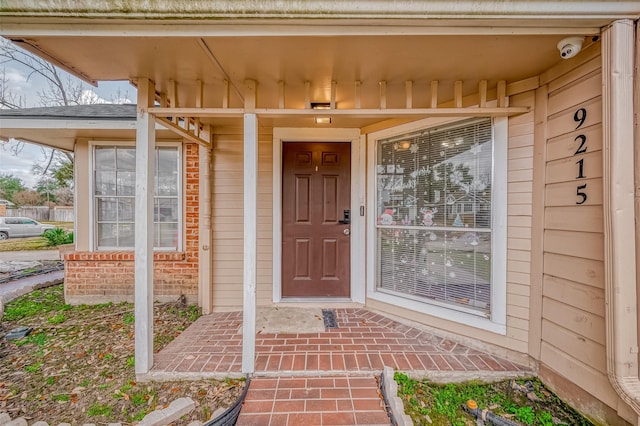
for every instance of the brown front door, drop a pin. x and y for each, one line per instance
(316, 192)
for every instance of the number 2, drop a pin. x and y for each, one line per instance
(581, 194)
(582, 148)
(580, 116)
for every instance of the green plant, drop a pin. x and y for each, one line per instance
(58, 236)
(544, 418)
(33, 368)
(107, 357)
(139, 398)
(50, 380)
(99, 410)
(129, 318)
(61, 397)
(57, 319)
(525, 415)
(131, 361)
(140, 415)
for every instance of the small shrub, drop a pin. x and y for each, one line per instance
(58, 236)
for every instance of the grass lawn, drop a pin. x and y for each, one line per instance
(77, 366)
(29, 243)
(33, 243)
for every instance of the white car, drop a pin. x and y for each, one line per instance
(11, 227)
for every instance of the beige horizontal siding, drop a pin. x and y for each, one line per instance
(519, 211)
(573, 306)
(585, 271)
(227, 221)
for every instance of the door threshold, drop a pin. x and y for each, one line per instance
(324, 302)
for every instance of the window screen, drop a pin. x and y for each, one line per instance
(433, 190)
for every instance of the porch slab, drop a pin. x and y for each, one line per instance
(362, 344)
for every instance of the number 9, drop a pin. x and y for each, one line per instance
(580, 116)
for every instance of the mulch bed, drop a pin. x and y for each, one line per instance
(77, 365)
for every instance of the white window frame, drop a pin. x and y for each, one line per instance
(93, 244)
(497, 321)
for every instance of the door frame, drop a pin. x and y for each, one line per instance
(358, 188)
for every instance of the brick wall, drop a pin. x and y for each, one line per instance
(103, 276)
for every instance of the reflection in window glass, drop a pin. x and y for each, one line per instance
(433, 195)
(114, 195)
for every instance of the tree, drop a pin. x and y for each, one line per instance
(8, 98)
(59, 168)
(10, 185)
(46, 187)
(64, 196)
(62, 90)
(27, 198)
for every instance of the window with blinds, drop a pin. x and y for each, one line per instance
(433, 198)
(114, 197)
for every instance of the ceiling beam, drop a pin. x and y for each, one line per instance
(359, 113)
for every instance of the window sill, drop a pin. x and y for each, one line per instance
(448, 314)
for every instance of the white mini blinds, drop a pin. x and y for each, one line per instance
(433, 201)
(114, 197)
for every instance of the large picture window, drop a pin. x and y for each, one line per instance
(434, 215)
(114, 197)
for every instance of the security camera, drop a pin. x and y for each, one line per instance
(570, 46)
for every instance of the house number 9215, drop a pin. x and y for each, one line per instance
(580, 117)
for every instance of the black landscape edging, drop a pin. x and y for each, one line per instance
(14, 276)
(230, 416)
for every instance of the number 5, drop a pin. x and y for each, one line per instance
(582, 194)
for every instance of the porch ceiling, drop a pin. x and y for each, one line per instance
(295, 60)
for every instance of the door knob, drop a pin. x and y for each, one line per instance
(346, 231)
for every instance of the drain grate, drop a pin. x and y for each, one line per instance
(330, 318)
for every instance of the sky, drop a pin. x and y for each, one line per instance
(28, 87)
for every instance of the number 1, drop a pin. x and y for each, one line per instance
(580, 164)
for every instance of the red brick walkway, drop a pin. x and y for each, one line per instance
(364, 342)
(339, 400)
(325, 378)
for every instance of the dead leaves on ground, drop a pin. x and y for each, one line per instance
(65, 372)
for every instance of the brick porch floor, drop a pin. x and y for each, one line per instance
(326, 378)
(364, 342)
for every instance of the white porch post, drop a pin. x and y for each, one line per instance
(250, 242)
(145, 170)
(250, 229)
